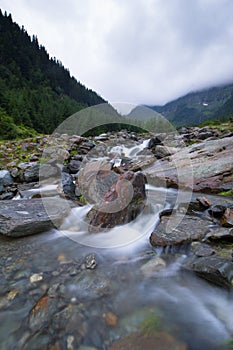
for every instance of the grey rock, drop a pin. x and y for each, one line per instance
(178, 229)
(28, 217)
(212, 268)
(5, 180)
(31, 173)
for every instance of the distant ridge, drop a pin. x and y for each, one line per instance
(35, 90)
(199, 106)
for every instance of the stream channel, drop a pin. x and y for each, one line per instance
(49, 298)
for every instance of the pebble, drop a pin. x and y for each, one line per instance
(36, 277)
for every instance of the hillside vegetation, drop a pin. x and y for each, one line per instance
(36, 91)
(197, 107)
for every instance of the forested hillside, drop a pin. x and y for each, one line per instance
(36, 91)
(197, 107)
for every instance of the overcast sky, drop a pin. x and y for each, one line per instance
(136, 51)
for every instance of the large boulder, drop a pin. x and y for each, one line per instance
(122, 203)
(7, 187)
(28, 217)
(178, 229)
(215, 269)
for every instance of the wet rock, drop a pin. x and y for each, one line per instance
(8, 188)
(227, 218)
(68, 185)
(110, 319)
(220, 234)
(153, 266)
(201, 249)
(95, 179)
(212, 268)
(88, 285)
(74, 166)
(217, 211)
(70, 320)
(90, 261)
(122, 204)
(163, 151)
(205, 203)
(153, 340)
(36, 277)
(28, 217)
(48, 171)
(154, 141)
(177, 230)
(41, 314)
(31, 171)
(192, 167)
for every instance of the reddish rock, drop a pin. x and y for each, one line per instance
(227, 218)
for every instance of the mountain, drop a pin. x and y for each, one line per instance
(196, 107)
(36, 91)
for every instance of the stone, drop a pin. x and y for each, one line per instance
(163, 151)
(177, 230)
(152, 340)
(28, 217)
(220, 234)
(217, 211)
(31, 173)
(48, 171)
(204, 202)
(227, 218)
(214, 269)
(8, 188)
(68, 185)
(201, 249)
(110, 319)
(153, 266)
(36, 277)
(88, 285)
(95, 179)
(41, 313)
(122, 203)
(90, 261)
(74, 166)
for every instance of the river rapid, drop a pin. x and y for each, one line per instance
(131, 284)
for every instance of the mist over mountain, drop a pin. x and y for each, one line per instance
(215, 103)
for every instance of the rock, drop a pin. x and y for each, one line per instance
(95, 179)
(163, 151)
(68, 185)
(102, 137)
(205, 203)
(204, 135)
(217, 211)
(28, 217)
(153, 266)
(36, 277)
(192, 167)
(5, 179)
(177, 230)
(122, 204)
(212, 268)
(110, 319)
(201, 249)
(90, 261)
(87, 145)
(227, 218)
(154, 141)
(31, 173)
(41, 313)
(220, 234)
(89, 285)
(8, 188)
(74, 166)
(152, 340)
(48, 171)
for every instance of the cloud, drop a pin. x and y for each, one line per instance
(138, 51)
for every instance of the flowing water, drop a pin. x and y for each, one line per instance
(188, 308)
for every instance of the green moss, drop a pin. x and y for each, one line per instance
(228, 345)
(228, 193)
(82, 200)
(150, 324)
